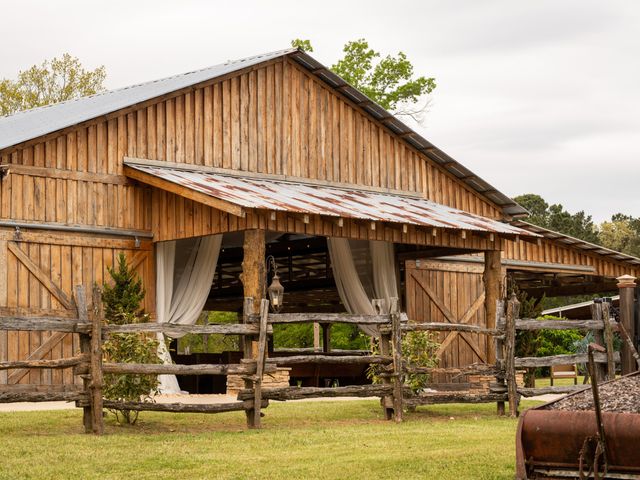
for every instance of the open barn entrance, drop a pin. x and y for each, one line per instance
(305, 271)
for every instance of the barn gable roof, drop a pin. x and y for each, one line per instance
(34, 123)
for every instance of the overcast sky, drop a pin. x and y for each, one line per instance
(534, 96)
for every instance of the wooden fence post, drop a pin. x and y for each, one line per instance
(608, 340)
(396, 344)
(379, 307)
(513, 310)
(598, 335)
(247, 348)
(499, 347)
(85, 348)
(260, 361)
(96, 363)
(627, 288)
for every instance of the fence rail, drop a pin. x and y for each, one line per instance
(256, 330)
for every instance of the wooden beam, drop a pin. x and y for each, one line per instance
(37, 354)
(185, 192)
(199, 369)
(175, 330)
(627, 289)
(329, 359)
(491, 278)
(254, 285)
(43, 278)
(297, 393)
(535, 324)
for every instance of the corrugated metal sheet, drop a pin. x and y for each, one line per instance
(31, 124)
(577, 243)
(282, 195)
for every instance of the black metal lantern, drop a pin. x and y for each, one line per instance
(275, 290)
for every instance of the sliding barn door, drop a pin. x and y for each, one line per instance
(449, 292)
(38, 273)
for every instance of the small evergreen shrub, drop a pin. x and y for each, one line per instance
(122, 305)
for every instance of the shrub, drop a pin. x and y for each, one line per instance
(122, 305)
(418, 350)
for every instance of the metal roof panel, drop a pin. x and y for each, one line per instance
(298, 197)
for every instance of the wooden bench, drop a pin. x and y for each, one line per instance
(564, 371)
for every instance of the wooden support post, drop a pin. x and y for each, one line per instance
(627, 288)
(513, 310)
(85, 348)
(608, 341)
(396, 344)
(598, 335)
(326, 337)
(260, 361)
(491, 280)
(97, 423)
(316, 336)
(254, 285)
(385, 351)
(499, 346)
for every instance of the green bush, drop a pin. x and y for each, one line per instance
(418, 350)
(122, 305)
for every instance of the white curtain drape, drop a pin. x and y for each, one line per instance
(376, 267)
(184, 273)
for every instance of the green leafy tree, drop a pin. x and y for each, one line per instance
(122, 305)
(622, 233)
(388, 80)
(555, 217)
(52, 81)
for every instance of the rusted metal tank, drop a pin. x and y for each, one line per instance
(550, 444)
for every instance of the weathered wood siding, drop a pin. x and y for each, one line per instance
(449, 292)
(550, 251)
(274, 118)
(37, 274)
(177, 217)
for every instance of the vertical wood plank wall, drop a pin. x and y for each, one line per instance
(274, 118)
(550, 251)
(38, 273)
(456, 286)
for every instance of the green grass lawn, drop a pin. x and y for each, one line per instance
(306, 440)
(558, 382)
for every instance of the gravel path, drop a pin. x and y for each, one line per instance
(620, 396)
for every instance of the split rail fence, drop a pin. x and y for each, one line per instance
(255, 331)
(601, 324)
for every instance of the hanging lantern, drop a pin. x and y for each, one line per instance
(275, 290)
(276, 293)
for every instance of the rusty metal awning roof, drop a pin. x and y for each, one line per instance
(280, 194)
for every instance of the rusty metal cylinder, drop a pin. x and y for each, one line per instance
(553, 439)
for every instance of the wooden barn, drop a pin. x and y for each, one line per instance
(200, 178)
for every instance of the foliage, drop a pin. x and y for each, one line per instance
(343, 336)
(555, 217)
(418, 350)
(304, 45)
(122, 304)
(52, 81)
(130, 348)
(390, 82)
(124, 297)
(216, 343)
(543, 343)
(348, 337)
(622, 233)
